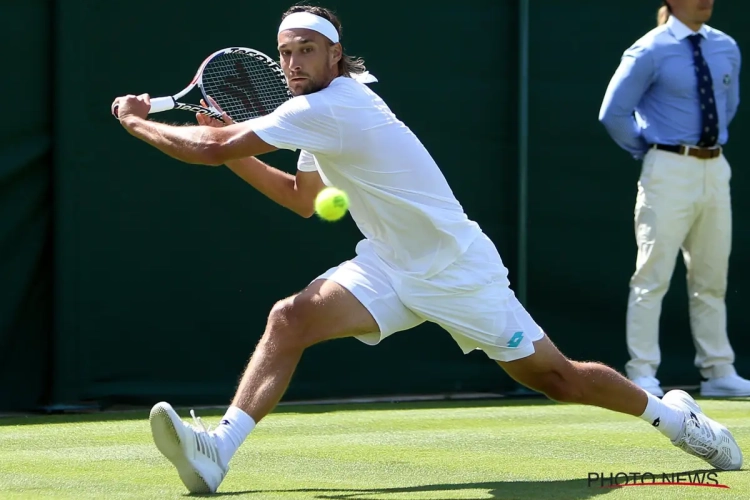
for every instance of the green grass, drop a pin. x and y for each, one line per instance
(499, 449)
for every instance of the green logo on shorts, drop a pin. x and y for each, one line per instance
(515, 340)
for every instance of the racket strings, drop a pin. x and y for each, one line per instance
(244, 86)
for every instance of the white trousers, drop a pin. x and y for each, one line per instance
(683, 203)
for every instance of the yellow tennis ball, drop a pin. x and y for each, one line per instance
(331, 204)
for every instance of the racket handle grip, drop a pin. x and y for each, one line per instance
(160, 104)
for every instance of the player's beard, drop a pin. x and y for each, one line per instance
(310, 87)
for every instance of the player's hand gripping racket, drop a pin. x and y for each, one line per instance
(244, 83)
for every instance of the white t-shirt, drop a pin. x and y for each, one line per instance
(399, 198)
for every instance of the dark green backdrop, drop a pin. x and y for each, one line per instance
(26, 208)
(131, 277)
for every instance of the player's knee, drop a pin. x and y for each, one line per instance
(290, 324)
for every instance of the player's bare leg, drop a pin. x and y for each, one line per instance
(561, 379)
(323, 311)
(677, 415)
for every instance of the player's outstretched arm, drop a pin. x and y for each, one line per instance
(233, 145)
(197, 144)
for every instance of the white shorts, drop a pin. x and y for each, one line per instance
(471, 300)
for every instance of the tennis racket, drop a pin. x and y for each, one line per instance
(244, 83)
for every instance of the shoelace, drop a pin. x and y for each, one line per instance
(199, 422)
(204, 440)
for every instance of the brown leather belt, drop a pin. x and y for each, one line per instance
(702, 153)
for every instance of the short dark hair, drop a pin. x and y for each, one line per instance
(348, 65)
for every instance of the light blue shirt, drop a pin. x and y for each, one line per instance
(653, 96)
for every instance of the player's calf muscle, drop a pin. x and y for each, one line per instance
(550, 372)
(555, 384)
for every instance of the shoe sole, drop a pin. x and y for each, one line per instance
(168, 442)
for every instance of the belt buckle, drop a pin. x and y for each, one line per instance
(713, 152)
(699, 152)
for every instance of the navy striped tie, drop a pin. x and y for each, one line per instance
(710, 118)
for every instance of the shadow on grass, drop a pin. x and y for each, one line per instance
(569, 489)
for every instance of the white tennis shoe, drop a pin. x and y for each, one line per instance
(192, 449)
(703, 437)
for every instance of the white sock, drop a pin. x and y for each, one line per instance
(667, 420)
(232, 432)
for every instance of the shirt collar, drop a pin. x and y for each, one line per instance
(680, 31)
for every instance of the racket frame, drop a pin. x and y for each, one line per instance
(167, 103)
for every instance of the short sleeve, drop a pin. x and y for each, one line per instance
(306, 162)
(303, 122)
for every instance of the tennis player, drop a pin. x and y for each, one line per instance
(421, 258)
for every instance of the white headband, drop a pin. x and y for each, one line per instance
(311, 22)
(306, 20)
